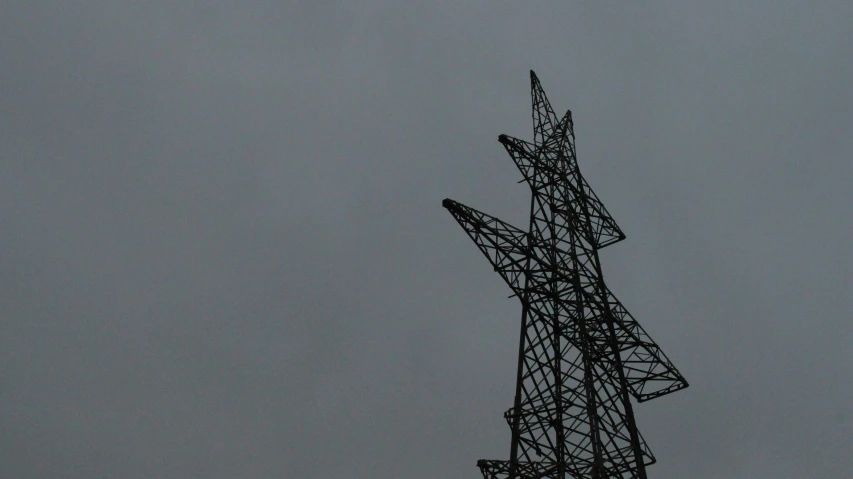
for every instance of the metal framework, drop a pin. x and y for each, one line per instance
(581, 354)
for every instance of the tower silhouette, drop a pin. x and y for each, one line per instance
(581, 354)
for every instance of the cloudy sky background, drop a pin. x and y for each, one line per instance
(223, 255)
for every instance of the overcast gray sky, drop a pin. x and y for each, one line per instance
(223, 252)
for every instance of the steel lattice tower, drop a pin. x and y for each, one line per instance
(581, 354)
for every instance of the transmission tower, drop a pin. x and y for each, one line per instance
(581, 354)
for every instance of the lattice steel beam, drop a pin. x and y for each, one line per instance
(581, 354)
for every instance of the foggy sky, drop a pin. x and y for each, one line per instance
(223, 252)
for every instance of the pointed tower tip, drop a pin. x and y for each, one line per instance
(533, 75)
(447, 203)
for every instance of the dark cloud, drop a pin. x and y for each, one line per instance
(223, 252)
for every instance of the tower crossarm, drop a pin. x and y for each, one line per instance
(561, 175)
(504, 245)
(648, 371)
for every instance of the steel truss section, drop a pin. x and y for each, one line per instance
(581, 354)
